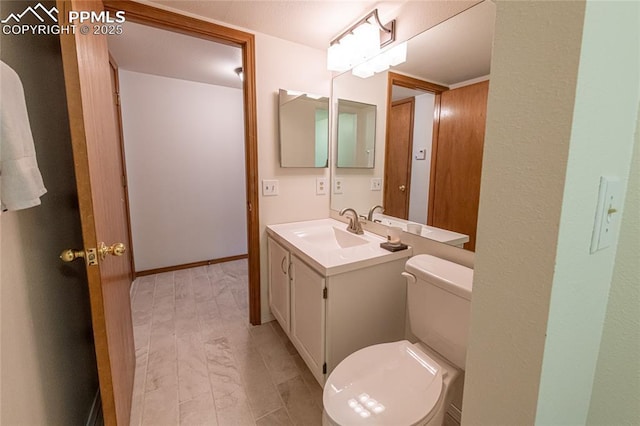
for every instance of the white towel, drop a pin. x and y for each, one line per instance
(21, 182)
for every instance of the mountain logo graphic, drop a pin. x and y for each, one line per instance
(39, 11)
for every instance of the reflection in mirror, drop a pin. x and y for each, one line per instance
(356, 134)
(304, 129)
(437, 171)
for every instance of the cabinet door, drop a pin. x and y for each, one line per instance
(308, 316)
(279, 293)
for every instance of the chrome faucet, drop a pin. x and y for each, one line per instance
(372, 211)
(354, 224)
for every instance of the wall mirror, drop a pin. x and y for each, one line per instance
(304, 129)
(356, 134)
(431, 112)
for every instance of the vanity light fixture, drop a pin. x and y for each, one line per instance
(360, 42)
(381, 62)
(240, 73)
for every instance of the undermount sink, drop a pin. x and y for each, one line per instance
(327, 246)
(330, 237)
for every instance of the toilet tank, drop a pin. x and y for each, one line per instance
(439, 304)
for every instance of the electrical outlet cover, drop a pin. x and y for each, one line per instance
(321, 186)
(337, 185)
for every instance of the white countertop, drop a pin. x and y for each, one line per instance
(436, 234)
(331, 259)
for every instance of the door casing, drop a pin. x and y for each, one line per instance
(171, 21)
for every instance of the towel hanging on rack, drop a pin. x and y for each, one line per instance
(21, 182)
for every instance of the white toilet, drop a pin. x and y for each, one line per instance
(404, 383)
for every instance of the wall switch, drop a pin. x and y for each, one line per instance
(321, 186)
(270, 187)
(421, 154)
(607, 214)
(376, 184)
(337, 185)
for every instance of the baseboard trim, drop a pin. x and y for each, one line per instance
(190, 265)
(96, 410)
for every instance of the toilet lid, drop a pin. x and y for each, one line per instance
(387, 384)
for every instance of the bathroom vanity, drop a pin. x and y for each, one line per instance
(334, 292)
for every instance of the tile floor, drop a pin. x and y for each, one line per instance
(199, 361)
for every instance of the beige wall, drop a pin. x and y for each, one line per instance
(616, 387)
(281, 64)
(553, 128)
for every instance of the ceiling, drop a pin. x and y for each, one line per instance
(313, 23)
(308, 22)
(149, 50)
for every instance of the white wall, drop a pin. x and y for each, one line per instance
(602, 137)
(184, 149)
(553, 128)
(282, 64)
(616, 387)
(421, 169)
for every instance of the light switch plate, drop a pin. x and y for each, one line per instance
(321, 186)
(376, 184)
(270, 187)
(337, 185)
(607, 214)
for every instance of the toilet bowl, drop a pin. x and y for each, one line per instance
(403, 383)
(393, 384)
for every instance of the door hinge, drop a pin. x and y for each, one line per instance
(118, 99)
(324, 368)
(249, 206)
(324, 293)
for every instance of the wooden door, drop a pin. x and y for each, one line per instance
(397, 174)
(98, 169)
(457, 161)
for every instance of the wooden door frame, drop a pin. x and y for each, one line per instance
(125, 181)
(416, 84)
(167, 20)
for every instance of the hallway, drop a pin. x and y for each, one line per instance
(199, 361)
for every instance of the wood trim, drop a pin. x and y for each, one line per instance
(114, 66)
(159, 18)
(414, 83)
(393, 78)
(434, 156)
(191, 265)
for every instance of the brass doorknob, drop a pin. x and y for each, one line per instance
(116, 249)
(402, 188)
(70, 255)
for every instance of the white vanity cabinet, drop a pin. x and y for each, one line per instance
(279, 292)
(333, 312)
(308, 315)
